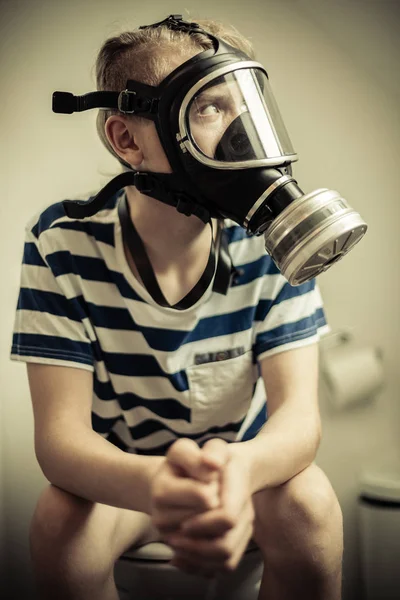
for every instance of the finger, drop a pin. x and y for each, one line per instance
(186, 454)
(243, 538)
(193, 521)
(223, 518)
(224, 553)
(204, 553)
(170, 520)
(210, 560)
(184, 492)
(212, 523)
(240, 536)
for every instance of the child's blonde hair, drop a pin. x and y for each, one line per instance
(143, 55)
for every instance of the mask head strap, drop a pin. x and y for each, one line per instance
(176, 23)
(157, 185)
(138, 98)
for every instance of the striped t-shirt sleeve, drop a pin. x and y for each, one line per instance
(289, 317)
(49, 327)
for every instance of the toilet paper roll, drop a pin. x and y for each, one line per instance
(352, 373)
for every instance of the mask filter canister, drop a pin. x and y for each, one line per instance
(312, 233)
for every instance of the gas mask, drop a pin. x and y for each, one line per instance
(231, 157)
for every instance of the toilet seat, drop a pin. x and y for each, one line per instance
(161, 552)
(145, 573)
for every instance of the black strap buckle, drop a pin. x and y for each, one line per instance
(126, 102)
(184, 205)
(129, 103)
(144, 182)
(177, 23)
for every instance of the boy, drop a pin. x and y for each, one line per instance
(141, 373)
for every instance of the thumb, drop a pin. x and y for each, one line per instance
(215, 454)
(187, 459)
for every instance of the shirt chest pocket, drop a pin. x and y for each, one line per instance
(221, 391)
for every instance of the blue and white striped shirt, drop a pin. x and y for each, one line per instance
(158, 373)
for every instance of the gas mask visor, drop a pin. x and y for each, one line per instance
(231, 121)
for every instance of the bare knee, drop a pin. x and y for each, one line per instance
(61, 534)
(301, 517)
(306, 503)
(57, 516)
(300, 522)
(311, 500)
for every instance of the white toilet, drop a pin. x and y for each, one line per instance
(379, 523)
(144, 573)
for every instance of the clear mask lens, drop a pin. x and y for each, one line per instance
(235, 119)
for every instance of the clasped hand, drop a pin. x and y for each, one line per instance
(202, 506)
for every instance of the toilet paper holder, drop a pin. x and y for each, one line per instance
(352, 373)
(337, 338)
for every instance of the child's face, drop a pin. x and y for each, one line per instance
(211, 113)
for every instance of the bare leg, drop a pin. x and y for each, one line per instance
(75, 543)
(289, 583)
(299, 530)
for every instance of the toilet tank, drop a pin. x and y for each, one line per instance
(379, 527)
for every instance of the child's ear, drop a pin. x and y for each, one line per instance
(123, 141)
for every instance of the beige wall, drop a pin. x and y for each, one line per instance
(334, 69)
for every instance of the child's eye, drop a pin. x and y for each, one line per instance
(208, 110)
